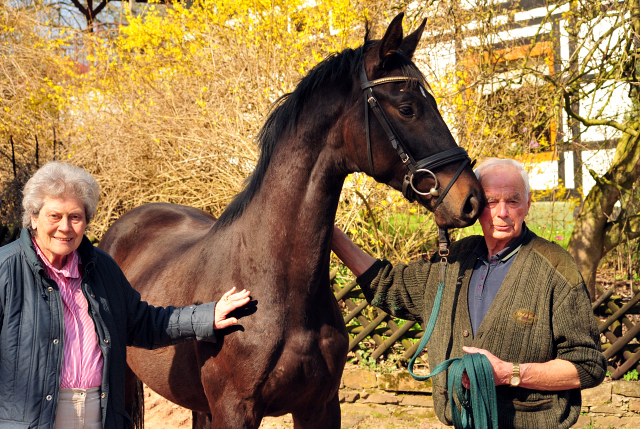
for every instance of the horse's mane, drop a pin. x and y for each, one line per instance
(286, 110)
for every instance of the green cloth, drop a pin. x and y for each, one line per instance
(541, 312)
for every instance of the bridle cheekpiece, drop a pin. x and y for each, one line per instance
(423, 166)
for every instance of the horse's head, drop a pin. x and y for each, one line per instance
(405, 143)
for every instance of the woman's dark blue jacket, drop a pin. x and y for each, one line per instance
(32, 333)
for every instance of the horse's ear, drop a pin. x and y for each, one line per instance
(409, 44)
(367, 30)
(392, 38)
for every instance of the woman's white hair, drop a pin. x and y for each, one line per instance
(491, 163)
(56, 180)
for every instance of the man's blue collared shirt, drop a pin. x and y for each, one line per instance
(488, 275)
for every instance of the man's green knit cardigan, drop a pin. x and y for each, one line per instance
(541, 312)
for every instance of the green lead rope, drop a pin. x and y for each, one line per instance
(470, 408)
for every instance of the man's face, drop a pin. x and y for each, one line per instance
(506, 207)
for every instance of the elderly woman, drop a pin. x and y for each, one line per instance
(67, 313)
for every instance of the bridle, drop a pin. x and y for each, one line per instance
(423, 166)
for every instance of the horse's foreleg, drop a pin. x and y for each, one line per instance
(232, 413)
(229, 409)
(201, 420)
(327, 417)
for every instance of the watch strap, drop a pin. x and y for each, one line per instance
(515, 375)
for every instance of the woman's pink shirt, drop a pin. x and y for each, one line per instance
(82, 358)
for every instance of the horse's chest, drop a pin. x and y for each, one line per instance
(312, 361)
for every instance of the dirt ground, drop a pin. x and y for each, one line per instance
(162, 414)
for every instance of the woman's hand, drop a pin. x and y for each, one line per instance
(229, 302)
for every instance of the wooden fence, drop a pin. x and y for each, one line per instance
(618, 320)
(374, 323)
(619, 323)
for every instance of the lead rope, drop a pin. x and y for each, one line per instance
(470, 408)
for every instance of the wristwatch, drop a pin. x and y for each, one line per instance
(515, 375)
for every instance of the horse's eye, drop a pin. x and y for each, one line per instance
(406, 111)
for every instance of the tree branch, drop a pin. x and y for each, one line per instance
(593, 122)
(603, 180)
(101, 6)
(619, 231)
(80, 7)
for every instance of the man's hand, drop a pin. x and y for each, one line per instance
(501, 370)
(229, 302)
(557, 374)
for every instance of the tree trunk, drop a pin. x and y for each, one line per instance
(589, 241)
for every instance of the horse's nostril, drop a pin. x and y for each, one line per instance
(471, 207)
(468, 205)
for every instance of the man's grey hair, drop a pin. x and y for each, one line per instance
(490, 163)
(58, 180)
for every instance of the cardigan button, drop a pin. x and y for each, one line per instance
(50, 289)
(55, 341)
(106, 340)
(49, 397)
(102, 395)
(465, 333)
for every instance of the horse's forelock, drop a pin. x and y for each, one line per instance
(367, 31)
(398, 60)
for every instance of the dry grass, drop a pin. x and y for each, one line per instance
(170, 105)
(158, 120)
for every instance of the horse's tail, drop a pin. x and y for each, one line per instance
(137, 412)
(134, 398)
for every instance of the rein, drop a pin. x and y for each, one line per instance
(470, 408)
(423, 166)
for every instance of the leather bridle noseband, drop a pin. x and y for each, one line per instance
(423, 166)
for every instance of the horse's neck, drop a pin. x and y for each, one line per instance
(290, 218)
(297, 201)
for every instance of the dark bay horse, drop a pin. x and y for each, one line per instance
(288, 354)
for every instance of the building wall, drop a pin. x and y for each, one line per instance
(438, 61)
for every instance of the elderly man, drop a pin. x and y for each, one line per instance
(510, 295)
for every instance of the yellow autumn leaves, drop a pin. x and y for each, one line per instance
(167, 106)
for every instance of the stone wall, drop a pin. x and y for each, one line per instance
(397, 394)
(611, 405)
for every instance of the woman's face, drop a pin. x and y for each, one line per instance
(59, 228)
